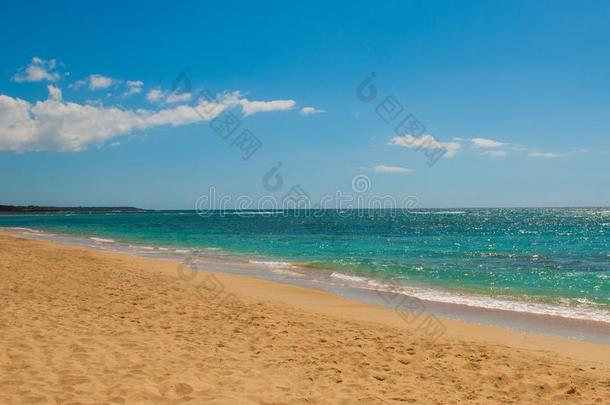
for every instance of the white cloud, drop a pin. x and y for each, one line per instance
(230, 99)
(176, 97)
(391, 169)
(154, 95)
(426, 142)
(133, 87)
(545, 154)
(97, 82)
(38, 70)
(253, 107)
(494, 153)
(94, 82)
(57, 125)
(486, 143)
(310, 110)
(54, 92)
(157, 95)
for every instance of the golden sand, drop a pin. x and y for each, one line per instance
(79, 326)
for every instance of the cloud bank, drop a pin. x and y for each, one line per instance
(56, 125)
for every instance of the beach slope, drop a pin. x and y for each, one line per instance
(83, 326)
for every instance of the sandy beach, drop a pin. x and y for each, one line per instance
(81, 326)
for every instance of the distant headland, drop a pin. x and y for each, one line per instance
(38, 208)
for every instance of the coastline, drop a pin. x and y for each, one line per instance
(85, 325)
(280, 290)
(524, 316)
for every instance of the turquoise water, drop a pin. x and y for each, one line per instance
(537, 255)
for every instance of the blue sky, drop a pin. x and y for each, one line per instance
(517, 94)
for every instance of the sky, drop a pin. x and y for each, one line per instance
(460, 104)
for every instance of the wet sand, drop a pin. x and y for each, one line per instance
(78, 325)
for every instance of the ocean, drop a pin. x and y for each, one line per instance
(545, 261)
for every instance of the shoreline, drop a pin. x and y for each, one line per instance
(542, 322)
(219, 269)
(83, 325)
